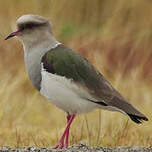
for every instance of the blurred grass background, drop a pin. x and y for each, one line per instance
(115, 35)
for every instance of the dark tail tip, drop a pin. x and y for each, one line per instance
(137, 119)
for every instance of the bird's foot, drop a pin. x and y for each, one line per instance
(63, 142)
(59, 145)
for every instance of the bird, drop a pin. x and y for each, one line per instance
(64, 77)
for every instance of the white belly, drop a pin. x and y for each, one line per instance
(65, 94)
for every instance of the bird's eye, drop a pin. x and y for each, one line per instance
(25, 26)
(22, 27)
(28, 26)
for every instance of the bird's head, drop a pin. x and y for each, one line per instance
(31, 28)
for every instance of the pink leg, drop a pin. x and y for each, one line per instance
(67, 135)
(66, 132)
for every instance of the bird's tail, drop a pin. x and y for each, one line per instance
(127, 108)
(137, 119)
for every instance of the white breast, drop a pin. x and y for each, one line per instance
(65, 94)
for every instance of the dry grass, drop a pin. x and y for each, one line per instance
(115, 36)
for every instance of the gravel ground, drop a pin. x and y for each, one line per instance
(78, 148)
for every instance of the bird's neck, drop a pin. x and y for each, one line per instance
(33, 55)
(45, 42)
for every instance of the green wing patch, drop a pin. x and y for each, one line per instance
(65, 62)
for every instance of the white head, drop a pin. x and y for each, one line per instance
(33, 29)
